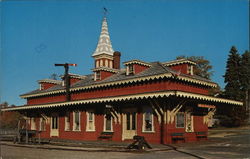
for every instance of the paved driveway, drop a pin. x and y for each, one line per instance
(225, 143)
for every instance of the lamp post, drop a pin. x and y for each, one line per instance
(66, 78)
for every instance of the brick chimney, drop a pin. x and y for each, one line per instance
(117, 56)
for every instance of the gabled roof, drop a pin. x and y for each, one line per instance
(76, 76)
(135, 61)
(50, 81)
(178, 62)
(156, 71)
(106, 69)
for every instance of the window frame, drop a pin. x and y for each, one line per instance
(130, 69)
(176, 120)
(54, 123)
(42, 126)
(74, 122)
(97, 75)
(147, 111)
(88, 121)
(33, 123)
(105, 123)
(67, 122)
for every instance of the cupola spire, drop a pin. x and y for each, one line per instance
(104, 45)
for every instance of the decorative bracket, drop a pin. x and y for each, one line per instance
(157, 109)
(171, 114)
(209, 115)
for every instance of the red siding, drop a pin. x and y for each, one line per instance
(105, 74)
(73, 80)
(139, 68)
(47, 85)
(183, 68)
(151, 137)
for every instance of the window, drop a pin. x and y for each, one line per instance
(110, 64)
(41, 86)
(90, 126)
(131, 121)
(180, 120)
(76, 125)
(54, 121)
(190, 70)
(130, 69)
(106, 63)
(148, 123)
(33, 123)
(67, 121)
(101, 63)
(97, 64)
(108, 122)
(97, 75)
(42, 124)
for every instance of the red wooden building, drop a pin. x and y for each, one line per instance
(157, 100)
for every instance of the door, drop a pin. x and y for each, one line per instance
(129, 125)
(54, 126)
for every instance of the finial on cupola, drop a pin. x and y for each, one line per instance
(104, 52)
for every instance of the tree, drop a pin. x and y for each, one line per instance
(245, 78)
(232, 75)
(54, 76)
(237, 79)
(203, 67)
(9, 120)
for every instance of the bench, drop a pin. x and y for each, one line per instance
(178, 136)
(201, 135)
(21, 135)
(139, 143)
(106, 135)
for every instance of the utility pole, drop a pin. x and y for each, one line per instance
(66, 78)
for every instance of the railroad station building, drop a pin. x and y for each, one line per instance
(116, 102)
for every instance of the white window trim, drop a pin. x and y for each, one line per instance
(87, 124)
(99, 78)
(143, 124)
(101, 63)
(111, 64)
(65, 122)
(51, 121)
(41, 87)
(32, 123)
(104, 125)
(40, 124)
(97, 63)
(128, 72)
(106, 63)
(74, 125)
(183, 121)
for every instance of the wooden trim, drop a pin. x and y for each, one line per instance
(130, 97)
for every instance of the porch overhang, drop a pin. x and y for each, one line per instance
(148, 95)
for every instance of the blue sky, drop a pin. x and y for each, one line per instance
(37, 34)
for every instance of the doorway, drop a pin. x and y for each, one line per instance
(54, 131)
(129, 124)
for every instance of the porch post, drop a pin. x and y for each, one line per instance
(26, 130)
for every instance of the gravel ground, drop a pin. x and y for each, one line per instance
(223, 143)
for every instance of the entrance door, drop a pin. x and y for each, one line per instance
(54, 126)
(129, 125)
